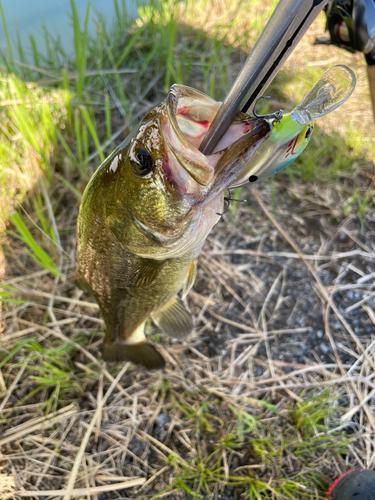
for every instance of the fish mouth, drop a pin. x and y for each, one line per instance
(190, 183)
(189, 114)
(185, 121)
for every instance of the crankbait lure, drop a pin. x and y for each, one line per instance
(292, 132)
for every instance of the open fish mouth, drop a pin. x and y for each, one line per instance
(180, 201)
(187, 118)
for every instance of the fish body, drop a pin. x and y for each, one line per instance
(146, 213)
(292, 133)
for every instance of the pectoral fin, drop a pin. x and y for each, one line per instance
(143, 353)
(174, 319)
(190, 278)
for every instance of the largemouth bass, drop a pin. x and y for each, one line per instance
(292, 133)
(146, 214)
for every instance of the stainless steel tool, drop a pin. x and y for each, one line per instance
(288, 23)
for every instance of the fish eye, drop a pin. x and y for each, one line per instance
(309, 131)
(142, 163)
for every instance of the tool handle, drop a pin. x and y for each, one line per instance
(289, 21)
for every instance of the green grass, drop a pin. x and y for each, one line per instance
(37, 253)
(48, 369)
(273, 442)
(57, 115)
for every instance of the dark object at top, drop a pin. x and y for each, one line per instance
(355, 485)
(351, 25)
(288, 23)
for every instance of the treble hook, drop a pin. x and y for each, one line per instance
(277, 116)
(228, 199)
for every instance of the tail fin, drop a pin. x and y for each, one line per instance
(142, 353)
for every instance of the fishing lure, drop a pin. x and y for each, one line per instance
(292, 132)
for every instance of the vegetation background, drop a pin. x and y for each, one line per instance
(272, 397)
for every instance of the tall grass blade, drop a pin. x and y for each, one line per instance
(50, 53)
(83, 61)
(85, 141)
(39, 209)
(77, 128)
(69, 186)
(80, 41)
(38, 254)
(123, 99)
(69, 152)
(9, 45)
(76, 31)
(92, 131)
(21, 53)
(130, 44)
(35, 52)
(108, 116)
(67, 95)
(117, 9)
(171, 43)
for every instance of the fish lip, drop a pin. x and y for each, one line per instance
(203, 169)
(195, 164)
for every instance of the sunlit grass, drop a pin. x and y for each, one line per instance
(56, 115)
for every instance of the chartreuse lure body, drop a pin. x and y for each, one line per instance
(292, 132)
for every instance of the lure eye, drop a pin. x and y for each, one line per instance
(142, 163)
(309, 131)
